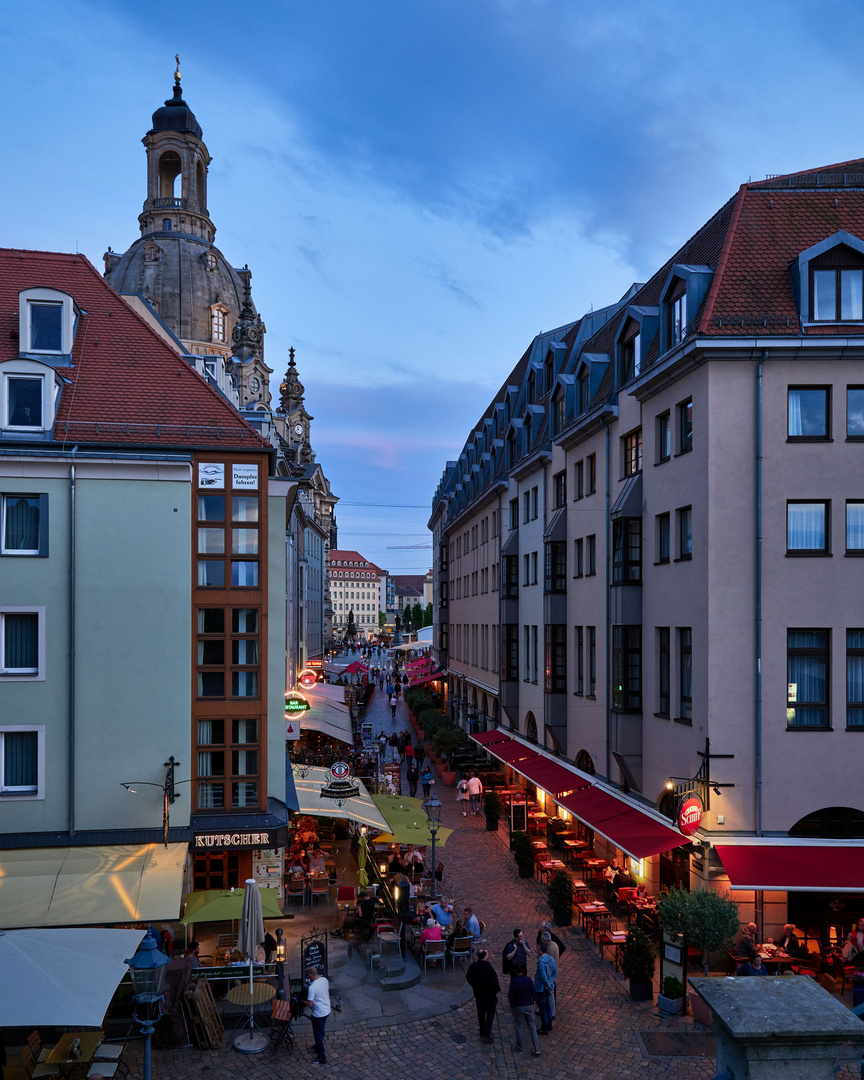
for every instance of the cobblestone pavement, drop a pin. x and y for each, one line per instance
(596, 1028)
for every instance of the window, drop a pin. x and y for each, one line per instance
(22, 761)
(510, 579)
(855, 679)
(663, 530)
(46, 327)
(23, 524)
(807, 528)
(807, 678)
(855, 412)
(685, 427)
(580, 660)
(592, 661)
(46, 321)
(807, 412)
(664, 437)
(217, 323)
(663, 703)
(676, 313)
(591, 560)
(685, 532)
(526, 638)
(559, 414)
(592, 474)
(854, 527)
(556, 567)
(579, 472)
(632, 452)
(509, 651)
(584, 393)
(555, 668)
(685, 673)
(533, 567)
(526, 572)
(23, 398)
(526, 506)
(534, 502)
(535, 643)
(22, 644)
(560, 482)
(578, 552)
(631, 357)
(626, 551)
(837, 294)
(627, 668)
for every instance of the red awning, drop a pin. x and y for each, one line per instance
(512, 752)
(421, 680)
(792, 868)
(549, 776)
(629, 828)
(487, 737)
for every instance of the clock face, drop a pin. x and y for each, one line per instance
(298, 429)
(254, 384)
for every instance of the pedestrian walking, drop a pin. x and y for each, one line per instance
(409, 749)
(420, 754)
(426, 780)
(544, 986)
(462, 795)
(318, 999)
(475, 790)
(483, 980)
(401, 742)
(521, 996)
(412, 776)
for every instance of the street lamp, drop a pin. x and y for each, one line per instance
(147, 968)
(433, 822)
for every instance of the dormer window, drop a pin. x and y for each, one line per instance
(828, 279)
(631, 357)
(559, 414)
(583, 392)
(532, 388)
(46, 322)
(676, 303)
(838, 294)
(24, 402)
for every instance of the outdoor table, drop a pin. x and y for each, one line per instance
(590, 911)
(778, 959)
(550, 866)
(60, 1055)
(616, 938)
(389, 937)
(595, 864)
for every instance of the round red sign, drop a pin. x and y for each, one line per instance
(339, 770)
(690, 816)
(307, 678)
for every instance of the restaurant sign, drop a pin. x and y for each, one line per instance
(295, 703)
(307, 678)
(221, 841)
(690, 815)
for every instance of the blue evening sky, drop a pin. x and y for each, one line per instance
(419, 188)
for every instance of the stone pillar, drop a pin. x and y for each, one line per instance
(776, 1027)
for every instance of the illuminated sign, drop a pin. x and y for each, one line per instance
(690, 816)
(234, 840)
(295, 703)
(319, 664)
(339, 770)
(307, 678)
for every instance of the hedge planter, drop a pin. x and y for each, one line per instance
(491, 824)
(641, 991)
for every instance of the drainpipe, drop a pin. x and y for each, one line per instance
(608, 621)
(72, 635)
(758, 583)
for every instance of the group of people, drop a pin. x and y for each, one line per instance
(469, 791)
(524, 993)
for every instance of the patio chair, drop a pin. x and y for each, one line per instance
(841, 971)
(320, 890)
(346, 897)
(295, 890)
(827, 983)
(280, 1026)
(432, 952)
(104, 1070)
(460, 949)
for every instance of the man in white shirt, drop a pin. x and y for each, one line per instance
(475, 790)
(318, 999)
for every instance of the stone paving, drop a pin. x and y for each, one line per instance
(431, 1031)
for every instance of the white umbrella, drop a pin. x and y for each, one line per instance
(250, 934)
(61, 978)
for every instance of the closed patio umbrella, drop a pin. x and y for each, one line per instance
(250, 934)
(362, 852)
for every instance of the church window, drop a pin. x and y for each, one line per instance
(218, 324)
(166, 224)
(210, 261)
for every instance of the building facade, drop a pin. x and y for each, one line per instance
(359, 586)
(657, 521)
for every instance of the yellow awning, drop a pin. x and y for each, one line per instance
(86, 886)
(359, 808)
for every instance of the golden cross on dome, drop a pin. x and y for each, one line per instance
(177, 69)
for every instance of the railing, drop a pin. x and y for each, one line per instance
(832, 179)
(81, 429)
(169, 204)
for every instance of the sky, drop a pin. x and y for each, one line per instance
(420, 188)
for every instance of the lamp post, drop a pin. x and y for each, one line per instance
(147, 968)
(433, 822)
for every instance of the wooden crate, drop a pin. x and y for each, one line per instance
(205, 1022)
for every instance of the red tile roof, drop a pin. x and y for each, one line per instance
(360, 562)
(126, 384)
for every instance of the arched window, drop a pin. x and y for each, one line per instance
(831, 823)
(585, 762)
(530, 728)
(170, 175)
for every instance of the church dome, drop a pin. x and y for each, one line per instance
(175, 115)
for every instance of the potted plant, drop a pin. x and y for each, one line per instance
(493, 809)
(523, 853)
(447, 739)
(672, 998)
(561, 898)
(638, 963)
(703, 918)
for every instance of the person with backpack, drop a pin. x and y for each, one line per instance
(462, 795)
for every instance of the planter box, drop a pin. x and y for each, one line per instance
(448, 779)
(526, 871)
(564, 918)
(641, 991)
(671, 1005)
(491, 824)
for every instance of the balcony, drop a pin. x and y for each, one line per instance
(169, 204)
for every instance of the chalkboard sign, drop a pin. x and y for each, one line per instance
(313, 951)
(519, 816)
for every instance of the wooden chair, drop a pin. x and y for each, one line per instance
(319, 890)
(809, 964)
(434, 951)
(460, 949)
(841, 971)
(280, 1025)
(827, 983)
(346, 897)
(295, 889)
(605, 926)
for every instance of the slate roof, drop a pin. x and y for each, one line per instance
(126, 385)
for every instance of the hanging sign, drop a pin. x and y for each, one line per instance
(339, 770)
(292, 730)
(307, 678)
(211, 474)
(690, 815)
(295, 703)
(244, 477)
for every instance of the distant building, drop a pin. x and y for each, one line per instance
(412, 589)
(357, 585)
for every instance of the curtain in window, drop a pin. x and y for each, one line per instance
(854, 526)
(22, 524)
(245, 684)
(807, 676)
(211, 796)
(855, 679)
(204, 763)
(21, 642)
(795, 425)
(806, 526)
(20, 759)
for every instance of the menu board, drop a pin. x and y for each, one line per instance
(518, 817)
(267, 864)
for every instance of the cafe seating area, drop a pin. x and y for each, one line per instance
(76, 1054)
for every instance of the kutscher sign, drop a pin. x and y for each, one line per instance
(690, 815)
